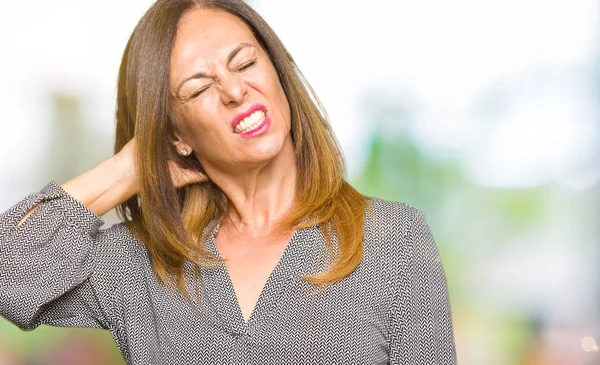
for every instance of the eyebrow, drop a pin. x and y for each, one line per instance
(200, 75)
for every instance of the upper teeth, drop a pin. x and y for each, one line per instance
(250, 122)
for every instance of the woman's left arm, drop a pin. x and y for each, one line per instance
(421, 322)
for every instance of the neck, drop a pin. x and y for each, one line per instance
(260, 197)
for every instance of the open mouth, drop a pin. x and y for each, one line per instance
(251, 122)
(254, 121)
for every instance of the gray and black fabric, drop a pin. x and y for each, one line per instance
(59, 268)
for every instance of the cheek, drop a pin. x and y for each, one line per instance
(275, 85)
(189, 128)
(264, 78)
(277, 89)
(284, 104)
(198, 115)
(267, 83)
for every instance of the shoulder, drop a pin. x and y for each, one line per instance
(390, 229)
(390, 218)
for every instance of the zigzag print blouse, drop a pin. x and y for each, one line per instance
(58, 268)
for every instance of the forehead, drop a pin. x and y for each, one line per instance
(208, 35)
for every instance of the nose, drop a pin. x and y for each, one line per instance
(233, 90)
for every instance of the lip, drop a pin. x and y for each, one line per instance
(239, 117)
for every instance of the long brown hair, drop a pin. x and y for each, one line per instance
(173, 223)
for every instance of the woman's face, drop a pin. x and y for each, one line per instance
(229, 106)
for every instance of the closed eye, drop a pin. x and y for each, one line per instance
(246, 66)
(198, 92)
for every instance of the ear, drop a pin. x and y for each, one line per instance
(182, 148)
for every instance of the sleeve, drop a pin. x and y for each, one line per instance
(421, 324)
(46, 262)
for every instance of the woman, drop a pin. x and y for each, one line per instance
(241, 241)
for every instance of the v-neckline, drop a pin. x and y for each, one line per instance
(223, 298)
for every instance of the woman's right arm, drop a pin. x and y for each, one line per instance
(55, 263)
(49, 264)
(48, 260)
(114, 181)
(105, 186)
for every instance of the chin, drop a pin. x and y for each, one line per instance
(268, 150)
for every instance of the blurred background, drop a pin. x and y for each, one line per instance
(485, 115)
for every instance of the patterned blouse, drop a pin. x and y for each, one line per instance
(58, 268)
